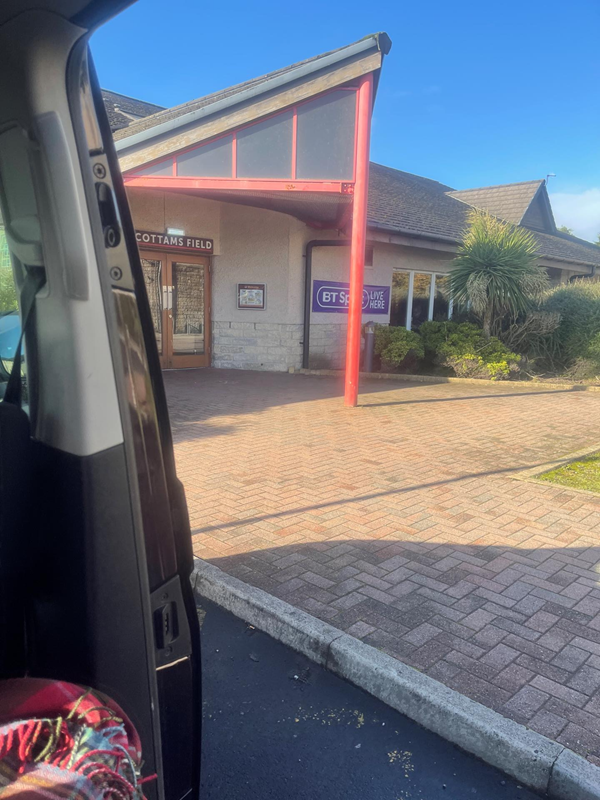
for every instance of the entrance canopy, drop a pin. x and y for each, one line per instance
(294, 141)
(299, 159)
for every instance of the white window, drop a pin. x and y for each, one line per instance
(419, 296)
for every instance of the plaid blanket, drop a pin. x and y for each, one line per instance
(58, 740)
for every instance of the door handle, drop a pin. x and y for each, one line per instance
(167, 293)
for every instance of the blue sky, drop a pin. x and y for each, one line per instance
(472, 93)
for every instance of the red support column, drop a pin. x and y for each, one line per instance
(358, 239)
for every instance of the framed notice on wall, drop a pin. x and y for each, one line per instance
(251, 295)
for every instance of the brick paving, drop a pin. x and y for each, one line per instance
(400, 522)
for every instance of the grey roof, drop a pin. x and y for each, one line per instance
(194, 109)
(509, 201)
(122, 110)
(409, 204)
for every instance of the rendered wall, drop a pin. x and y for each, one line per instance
(258, 246)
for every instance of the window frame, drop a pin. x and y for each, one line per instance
(410, 294)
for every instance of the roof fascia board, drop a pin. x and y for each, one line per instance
(371, 43)
(385, 236)
(391, 235)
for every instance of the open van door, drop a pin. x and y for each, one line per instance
(95, 546)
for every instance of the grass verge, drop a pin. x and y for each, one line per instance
(581, 474)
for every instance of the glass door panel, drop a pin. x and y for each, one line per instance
(421, 292)
(179, 298)
(153, 272)
(188, 309)
(400, 282)
(441, 302)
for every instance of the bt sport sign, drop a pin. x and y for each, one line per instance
(332, 297)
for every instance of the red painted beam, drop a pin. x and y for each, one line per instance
(358, 239)
(236, 184)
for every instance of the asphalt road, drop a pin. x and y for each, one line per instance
(277, 726)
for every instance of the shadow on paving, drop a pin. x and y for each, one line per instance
(517, 629)
(196, 396)
(359, 498)
(276, 726)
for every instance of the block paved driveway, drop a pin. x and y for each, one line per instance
(399, 522)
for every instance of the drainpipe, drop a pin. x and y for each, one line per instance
(307, 289)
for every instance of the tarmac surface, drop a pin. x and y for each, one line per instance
(276, 726)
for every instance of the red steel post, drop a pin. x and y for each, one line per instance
(358, 240)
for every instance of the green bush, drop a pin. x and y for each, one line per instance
(578, 305)
(593, 349)
(434, 335)
(441, 339)
(463, 347)
(456, 339)
(458, 345)
(474, 366)
(396, 346)
(584, 369)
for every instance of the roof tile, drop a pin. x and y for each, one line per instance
(406, 203)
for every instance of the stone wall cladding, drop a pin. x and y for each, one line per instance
(270, 346)
(276, 346)
(327, 346)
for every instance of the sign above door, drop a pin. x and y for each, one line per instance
(167, 241)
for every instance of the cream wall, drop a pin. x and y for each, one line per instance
(258, 246)
(157, 211)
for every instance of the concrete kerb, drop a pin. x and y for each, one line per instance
(527, 756)
(396, 376)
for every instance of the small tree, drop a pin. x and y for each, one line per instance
(496, 271)
(565, 229)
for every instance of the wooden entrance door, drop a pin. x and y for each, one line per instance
(178, 289)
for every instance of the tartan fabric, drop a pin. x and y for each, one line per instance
(58, 740)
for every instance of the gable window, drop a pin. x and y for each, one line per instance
(326, 137)
(264, 150)
(160, 168)
(313, 140)
(212, 160)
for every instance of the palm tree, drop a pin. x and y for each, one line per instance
(496, 271)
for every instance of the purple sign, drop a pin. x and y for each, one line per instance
(332, 297)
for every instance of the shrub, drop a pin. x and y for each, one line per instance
(531, 334)
(474, 366)
(434, 335)
(462, 338)
(584, 369)
(466, 366)
(593, 349)
(463, 347)
(578, 305)
(397, 346)
(441, 339)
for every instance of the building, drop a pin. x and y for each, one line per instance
(244, 203)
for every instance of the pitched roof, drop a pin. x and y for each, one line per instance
(289, 73)
(400, 202)
(509, 201)
(123, 110)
